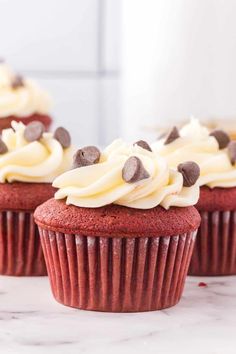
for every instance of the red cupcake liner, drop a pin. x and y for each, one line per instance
(214, 253)
(117, 274)
(20, 249)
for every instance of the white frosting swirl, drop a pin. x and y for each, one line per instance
(38, 161)
(195, 144)
(22, 101)
(102, 184)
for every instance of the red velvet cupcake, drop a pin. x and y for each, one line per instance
(215, 250)
(20, 249)
(21, 100)
(29, 160)
(120, 232)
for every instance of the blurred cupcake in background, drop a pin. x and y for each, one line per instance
(227, 123)
(21, 99)
(161, 129)
(29, 161)
(119, 234)
(215, 153)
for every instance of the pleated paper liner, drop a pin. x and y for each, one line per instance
(20, 249)
(214, 253)
(117, 274)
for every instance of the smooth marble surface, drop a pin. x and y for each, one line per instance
(204, 322)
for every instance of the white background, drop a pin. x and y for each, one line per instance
(71, 48)
(179, 59)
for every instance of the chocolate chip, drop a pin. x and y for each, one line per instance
(3, 147)
(222, 138)
(89, 155)
(190, 171)
(172, 136)
(232, 151)
(63, 136)
(34, 131)
(143, 144)
(17, 82)
(133, 170)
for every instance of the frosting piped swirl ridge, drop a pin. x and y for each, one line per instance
(196, 143)
(101, 183)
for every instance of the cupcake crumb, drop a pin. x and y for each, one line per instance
(202, 284)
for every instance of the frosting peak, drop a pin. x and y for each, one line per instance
(198, 144)
(20, 97)
(37, 161)
(103, 182)
(194, 130)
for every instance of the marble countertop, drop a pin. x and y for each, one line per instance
(204, 322)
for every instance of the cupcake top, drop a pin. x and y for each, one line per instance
(28, 154)
(211, 150)
(124, 174)
(20, 97)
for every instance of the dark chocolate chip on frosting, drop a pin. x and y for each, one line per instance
(34, 131)
(190, 172)
(89, 155)
(232, 151)
(172, 136)
(63, 136)
(17, 82)
(3, 147)
(143, 144)
(133, 170)
(222, 138)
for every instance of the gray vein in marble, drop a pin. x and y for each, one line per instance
(31, 322)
